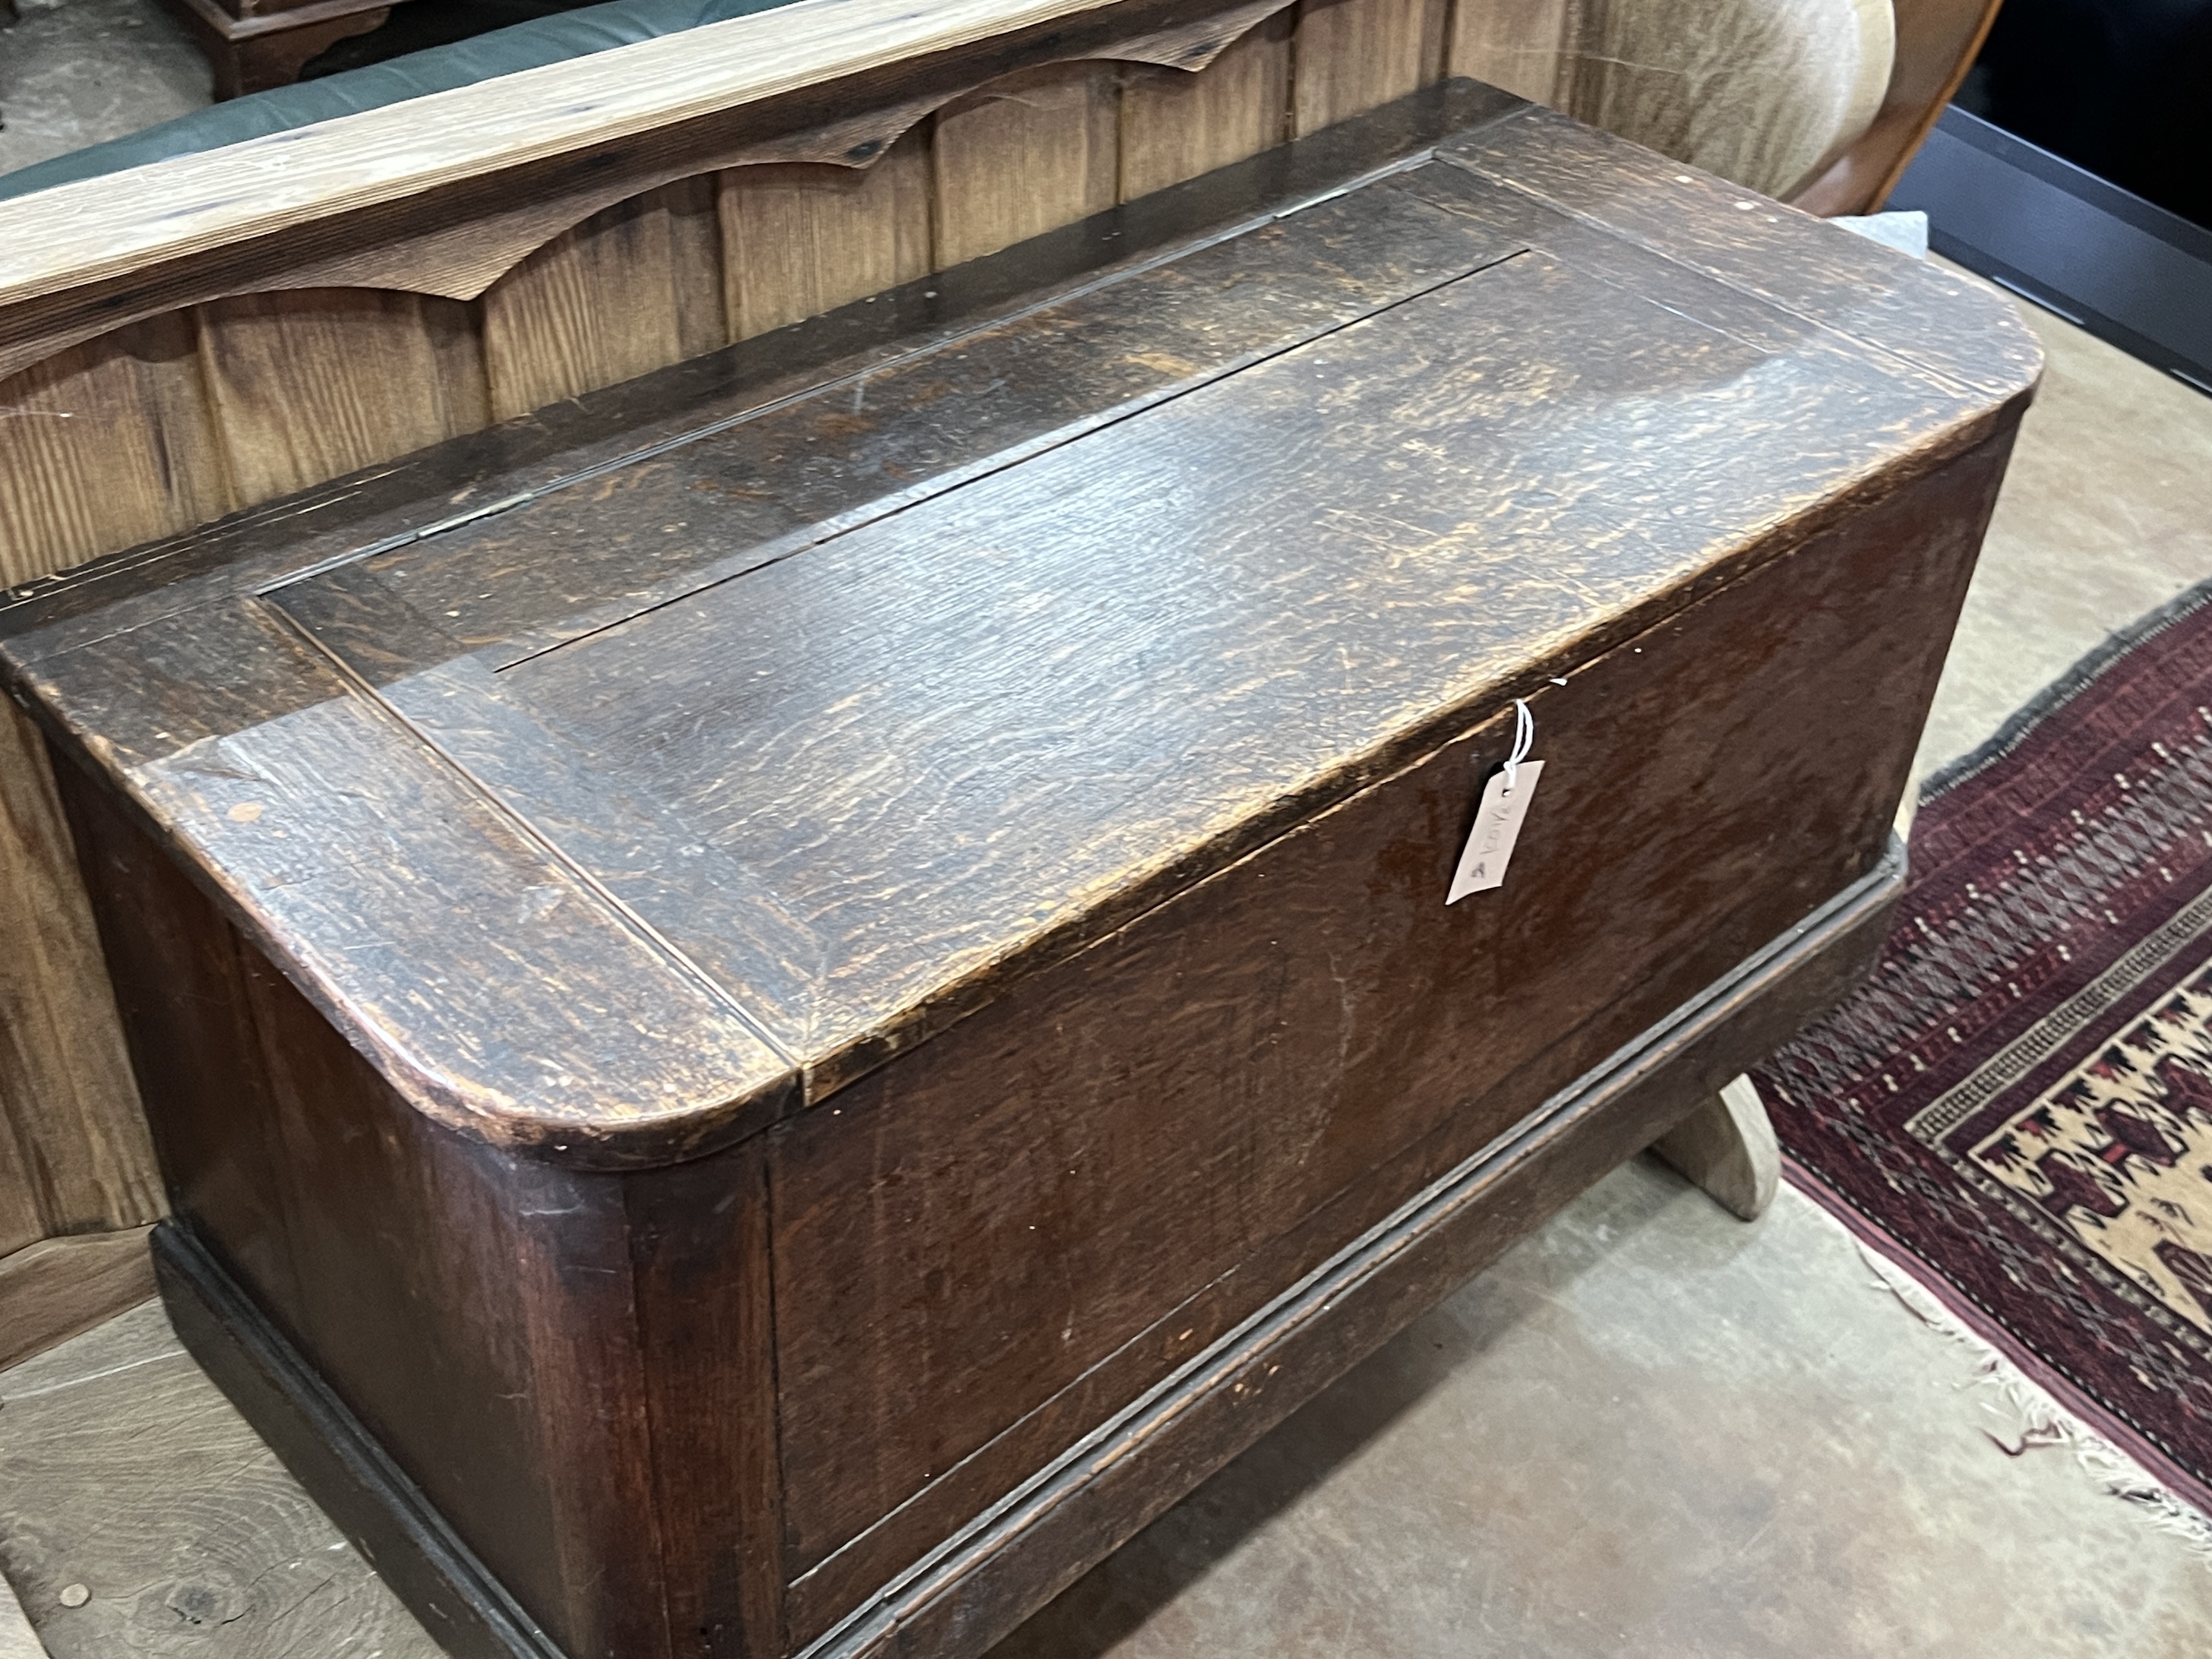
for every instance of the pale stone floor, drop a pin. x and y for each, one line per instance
(1651, 1430)
(74, 72)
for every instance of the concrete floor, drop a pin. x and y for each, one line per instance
(74, 72)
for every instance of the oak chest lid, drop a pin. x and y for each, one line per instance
(624, 805)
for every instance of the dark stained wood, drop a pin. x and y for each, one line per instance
(1025, 604)
(699, 1240)
(1024, 1162)
(1094, 1500)
(792, 1003)
(473, 1311)
(1792, 262)
(553, 448)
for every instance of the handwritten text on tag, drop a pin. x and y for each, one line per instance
(1497, 827)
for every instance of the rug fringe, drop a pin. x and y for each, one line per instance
(2033, 1418)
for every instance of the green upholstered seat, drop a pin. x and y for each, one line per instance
(503, 51)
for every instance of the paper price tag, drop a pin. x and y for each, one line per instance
(1497, 827)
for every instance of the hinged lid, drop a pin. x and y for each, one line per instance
(685, 790)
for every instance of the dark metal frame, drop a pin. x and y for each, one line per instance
(2123, 267)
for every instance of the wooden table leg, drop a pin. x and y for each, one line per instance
(1727, 1147)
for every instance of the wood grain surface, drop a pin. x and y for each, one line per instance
(76, 1154)
(1354, 55)
(492, 1354)
(52, 1290)
(1082, 558)
(107, 444)
(308, 385)
(122, 1468)
(793, 929)
(166, 423)
(1039, 1149)
(632, 289)
(692, 965)
(1176, 124)
(279, 183)
(1080, 1507)
(1026, 154)
(800, 240)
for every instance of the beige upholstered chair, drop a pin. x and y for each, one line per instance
(1821, 102)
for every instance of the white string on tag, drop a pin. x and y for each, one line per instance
(1524, 738)
(1499, 814)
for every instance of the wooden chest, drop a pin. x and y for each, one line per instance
(778, 1003)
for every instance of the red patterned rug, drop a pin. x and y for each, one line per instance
(2019, 1103)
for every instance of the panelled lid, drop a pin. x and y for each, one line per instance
(683, 792)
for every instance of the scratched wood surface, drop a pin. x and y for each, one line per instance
(556, 732)
(148, 430)
(1079, 1152)
(123, 1469)
(790, 907)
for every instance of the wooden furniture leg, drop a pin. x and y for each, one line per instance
(1727, 1147)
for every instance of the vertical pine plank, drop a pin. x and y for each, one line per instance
(316, 383)
(1027, 154)
(1176, 125)
(1526, 47)
(633, 289)
(1352, 55)
(104, 445)
(70, 1121)
(801, 240)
